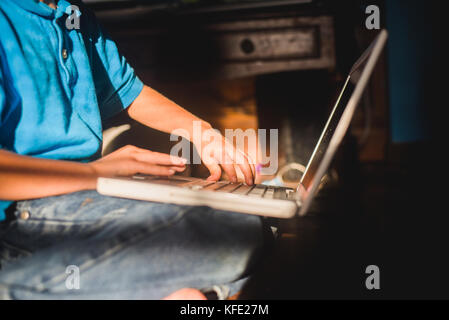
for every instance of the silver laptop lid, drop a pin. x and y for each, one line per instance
(338, 122)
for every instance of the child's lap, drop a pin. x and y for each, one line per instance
(189, 245)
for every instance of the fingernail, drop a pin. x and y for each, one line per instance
(171, 171)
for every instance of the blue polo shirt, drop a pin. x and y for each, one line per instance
(58, 84)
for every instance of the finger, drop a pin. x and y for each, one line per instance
(158, 158)
(241, 160)
(249, 179)
(215, 171)
(230, 172)
(245, 167)
(227, 165)
(178, 169)
(152, 169)
(253, 170)
(252, 164)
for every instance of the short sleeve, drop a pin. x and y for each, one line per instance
(116, 84)
(2, 98)
(2, 88)
(9, 102)
(2, 104)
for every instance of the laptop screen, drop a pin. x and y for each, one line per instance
(326, 135)
(340, 117)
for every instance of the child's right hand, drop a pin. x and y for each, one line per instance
(130, 160)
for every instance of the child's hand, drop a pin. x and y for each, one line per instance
(130, 160)
(221, 157)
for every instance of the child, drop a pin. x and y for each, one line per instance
(57, 86)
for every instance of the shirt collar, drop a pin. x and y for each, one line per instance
(40, 8)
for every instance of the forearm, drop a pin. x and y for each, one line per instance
(23, 177)
(156, 111)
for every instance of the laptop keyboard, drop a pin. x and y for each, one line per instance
(256, 191)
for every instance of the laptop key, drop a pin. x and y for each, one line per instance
(230, 187)
(198, 185)
(216, 186)
(291, 194)
(257, 191)
(280, 194)
(243, 189)
(269, 194)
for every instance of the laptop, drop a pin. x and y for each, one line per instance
(262, 200)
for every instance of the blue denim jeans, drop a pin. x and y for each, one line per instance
(123, 249)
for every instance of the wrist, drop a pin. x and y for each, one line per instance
(196, 130)
(90, 177)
